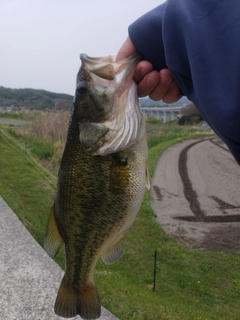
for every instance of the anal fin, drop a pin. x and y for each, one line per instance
(53, 239)
(115, 252)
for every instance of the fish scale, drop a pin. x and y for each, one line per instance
(101, 180)
(89, 199)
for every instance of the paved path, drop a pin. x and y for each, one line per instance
(29, 279)
(195, 195)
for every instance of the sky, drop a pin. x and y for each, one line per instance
(41, 40)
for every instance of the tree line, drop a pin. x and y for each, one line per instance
(34, 99)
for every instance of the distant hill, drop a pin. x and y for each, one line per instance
(42, 99)
(146, 102)
(34, 99)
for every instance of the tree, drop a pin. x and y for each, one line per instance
(190, 115)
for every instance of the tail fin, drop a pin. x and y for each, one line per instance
(72, 301)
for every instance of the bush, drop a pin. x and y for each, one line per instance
(190, 115)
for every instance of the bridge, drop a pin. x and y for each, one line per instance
(163, 113)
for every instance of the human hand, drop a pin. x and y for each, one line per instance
(156, 85)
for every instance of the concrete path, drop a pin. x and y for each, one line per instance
(195, 195)
(29, 278)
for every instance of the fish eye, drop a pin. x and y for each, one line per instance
(81, 88)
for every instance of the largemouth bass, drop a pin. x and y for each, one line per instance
(101, 180)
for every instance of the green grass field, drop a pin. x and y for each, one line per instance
(190, 284)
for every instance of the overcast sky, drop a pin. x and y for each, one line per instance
(40, 40)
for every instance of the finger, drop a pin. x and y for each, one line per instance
(142, 69)
(167, 89)
(160, 90)
(173, 94)
(149, 82)
(126, 50)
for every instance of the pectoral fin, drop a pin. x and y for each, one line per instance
(115, 252)
(53, 239)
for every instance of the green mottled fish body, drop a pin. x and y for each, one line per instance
(101, 184)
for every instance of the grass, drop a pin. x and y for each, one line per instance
(44, 137)
(190, 284)
(25, 189)
(12, 115)
(24, 114)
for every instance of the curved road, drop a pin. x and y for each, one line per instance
(196, 195)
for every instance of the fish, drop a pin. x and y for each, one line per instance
(101, 180)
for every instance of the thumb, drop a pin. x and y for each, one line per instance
(126, 50)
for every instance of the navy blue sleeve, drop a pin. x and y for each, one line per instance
(146, 34)
(200, 44)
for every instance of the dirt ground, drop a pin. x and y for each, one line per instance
(195, 195)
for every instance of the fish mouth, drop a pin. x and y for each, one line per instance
(136, 57)
(84, 57)
(107, 67)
